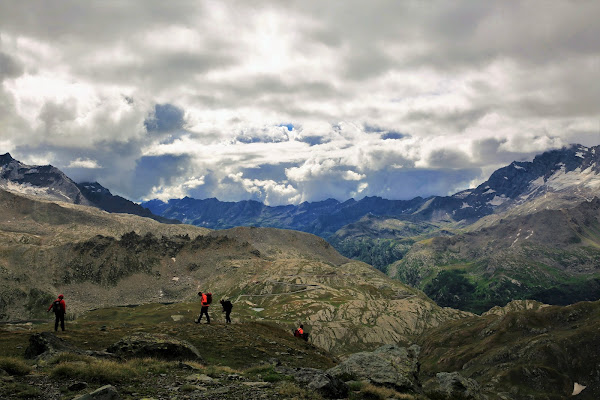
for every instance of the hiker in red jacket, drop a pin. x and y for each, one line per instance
(205, 301)
(60, 308)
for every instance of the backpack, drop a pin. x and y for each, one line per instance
(56, 307)
(208, 298)
(297, 333)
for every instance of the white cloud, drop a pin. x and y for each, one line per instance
(462, 88)
(83, 163)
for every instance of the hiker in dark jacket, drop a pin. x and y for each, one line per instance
(227, 306)
(204, 310)
(60, 308)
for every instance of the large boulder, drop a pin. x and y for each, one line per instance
(389, 365)
(155, 345)
(452, 385)
(46, 344)
(317, 380)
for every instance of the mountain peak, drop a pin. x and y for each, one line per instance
(6, 158)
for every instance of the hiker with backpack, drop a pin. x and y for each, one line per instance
(205, 300)
(60, 308)
(227, 307)
(301, 334)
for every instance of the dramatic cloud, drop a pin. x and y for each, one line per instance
(297, 100)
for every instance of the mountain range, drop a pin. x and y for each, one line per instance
(50, 183)
(512, 237)
(55, 239)
(529, 232)
(554, 179)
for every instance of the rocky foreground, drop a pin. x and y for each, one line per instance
(524, 351)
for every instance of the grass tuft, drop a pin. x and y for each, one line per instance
(102, 371)
(289, 390)
(371, 392)
(14, 366)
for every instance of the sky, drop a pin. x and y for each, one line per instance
(292, 101)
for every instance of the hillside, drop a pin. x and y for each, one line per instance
(552, 256)
(532, 353)
(97, 259)
(380, 241)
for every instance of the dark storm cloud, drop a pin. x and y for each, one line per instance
(9, 67)
(409, 182)
(393, 135)
(152, 171)
(313, 140)
(165, 118)
(494, 151)
(448, 158)
(275, 172)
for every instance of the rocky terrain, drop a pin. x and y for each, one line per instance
(523, 351)
(97, 259)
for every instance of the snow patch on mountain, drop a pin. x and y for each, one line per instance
(498, 200)
(562, 180)
(26, 188)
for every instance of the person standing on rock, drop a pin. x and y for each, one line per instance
(227, 307)
(205, 301)
(60, 308)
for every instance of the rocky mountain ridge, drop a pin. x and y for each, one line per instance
(50, 183)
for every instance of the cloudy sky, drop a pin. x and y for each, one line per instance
(291, 101)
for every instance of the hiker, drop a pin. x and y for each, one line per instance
(301, 334)
(227, 306)
(205, 300)
(60, 308)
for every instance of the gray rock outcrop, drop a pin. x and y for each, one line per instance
(321, 382)
(452, 385)
(107, 392)
(155, 345)
(46, 344)
(389, 365)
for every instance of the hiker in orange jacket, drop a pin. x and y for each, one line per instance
(300, 333)
(204, 310)
(60, 308)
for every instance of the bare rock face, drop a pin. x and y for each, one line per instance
(155, 345)
(452, 385)
(389, 365)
